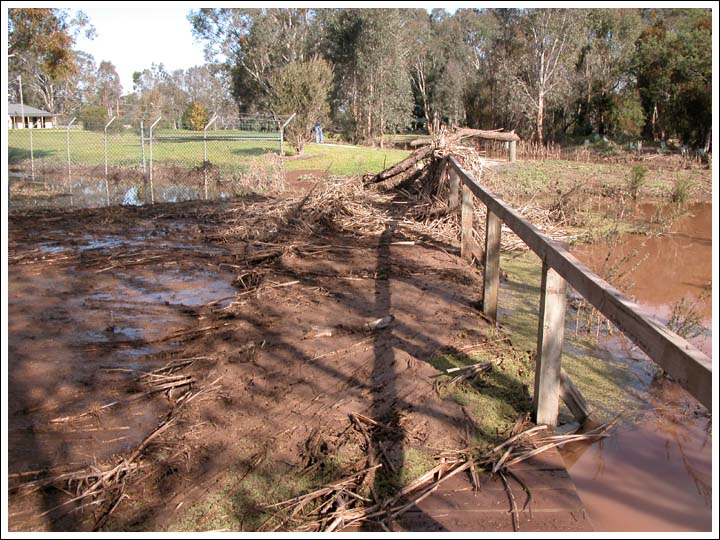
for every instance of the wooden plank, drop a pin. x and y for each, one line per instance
(491, 281)
(571, 396)
(454, 181)
(551, 332)
(685, 363)
(466, 220)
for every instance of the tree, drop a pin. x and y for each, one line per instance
(541, 71)
(255, 43)
(40, 49)
(673, 65)
(108, 87)
(369, 49)
(302, 88)
(195, 117)
(604, 63)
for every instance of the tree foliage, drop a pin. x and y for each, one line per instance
(302, 88)
(550, 74)
(195, 117)
(40, 50)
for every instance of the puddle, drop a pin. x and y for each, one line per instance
(93, 192)
(51, 247)
(63, 323)
(655, 475)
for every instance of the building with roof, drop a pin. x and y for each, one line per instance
(26, 116)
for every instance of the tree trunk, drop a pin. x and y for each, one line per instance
(540, 118)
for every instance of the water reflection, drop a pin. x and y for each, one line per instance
(90, 193)
(654, 474)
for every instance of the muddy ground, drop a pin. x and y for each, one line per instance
(243, 327)
(212, 354)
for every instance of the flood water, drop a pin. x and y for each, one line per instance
(655, 474)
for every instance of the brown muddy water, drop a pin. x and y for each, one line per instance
(655, 474)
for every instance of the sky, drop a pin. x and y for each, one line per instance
(132, 38)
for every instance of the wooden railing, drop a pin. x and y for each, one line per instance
(682, 361)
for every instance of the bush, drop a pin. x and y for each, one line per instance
(627, 116)
(681, 191)
(195, 117)
(94, 118)
(636, 180)
(302, 88)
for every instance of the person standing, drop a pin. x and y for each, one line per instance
(318, 133)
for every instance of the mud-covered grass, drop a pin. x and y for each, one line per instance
(608, 384)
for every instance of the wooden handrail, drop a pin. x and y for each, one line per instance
(687, 365)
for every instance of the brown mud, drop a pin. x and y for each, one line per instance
(100, 299)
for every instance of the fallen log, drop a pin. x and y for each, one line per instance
(465, 133)
(403, 166)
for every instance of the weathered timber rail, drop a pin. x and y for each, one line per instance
(682, 361)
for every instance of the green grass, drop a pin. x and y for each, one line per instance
(533, 178)
(609, 385)
(124, 149)
(494, 399)
(345, 159)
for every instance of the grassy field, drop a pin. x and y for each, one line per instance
(124, 149)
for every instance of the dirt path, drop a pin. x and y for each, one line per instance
(99, 298)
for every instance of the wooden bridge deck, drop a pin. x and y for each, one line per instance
(455, 507)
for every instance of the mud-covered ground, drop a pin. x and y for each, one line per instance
(117, 317)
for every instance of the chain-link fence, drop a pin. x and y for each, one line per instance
(143, 164)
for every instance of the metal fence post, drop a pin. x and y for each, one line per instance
(152, 192)
(142, 144)
(205, 160)
(107, 186)
(32, 157)
(282, 143)
(67, 142)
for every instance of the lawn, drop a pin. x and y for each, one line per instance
(124, 149)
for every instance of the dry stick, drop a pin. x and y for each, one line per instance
(502, 459)
(340, 350)
(528, 501)
(334, 485)
(474, 367)
(513, 506)
(166, 386)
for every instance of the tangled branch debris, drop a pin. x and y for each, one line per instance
(347, 503)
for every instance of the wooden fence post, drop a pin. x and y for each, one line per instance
(466, 220)
(454, 180)
(551, 330)
(491, 278)
(513, 149)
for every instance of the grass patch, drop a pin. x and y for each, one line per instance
(494, 399)
(608, 384)
(125, 150)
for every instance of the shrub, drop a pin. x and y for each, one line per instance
(627, 116)
(195, 117)
(302, 88)
(636, 180)
(681, 191)
(94, 118)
